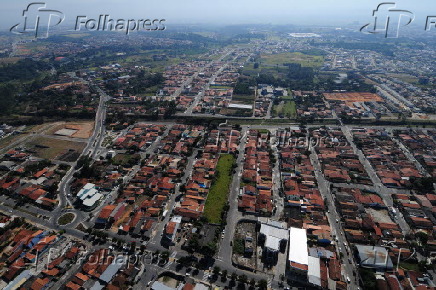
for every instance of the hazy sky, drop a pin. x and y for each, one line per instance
(317, 12)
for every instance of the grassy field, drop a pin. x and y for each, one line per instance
(274, 63)
(273, 60)
(288, 109)
(406, 78)
(6, 141)
(49, 148)
(218, 194)
(243, 99)
(126, 159)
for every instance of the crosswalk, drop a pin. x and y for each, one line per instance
(168, 265)
(171, 260)
(205, 276)
(270, 279)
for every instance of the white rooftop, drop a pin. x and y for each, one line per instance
(87, 193)
(298, 246)
(87, 190)
(89, 202)
(272, 243)
(241, 106)
(177, 219)
(314, 271)
(274, 233)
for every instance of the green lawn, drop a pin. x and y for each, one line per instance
(219, 191)
(288, 109)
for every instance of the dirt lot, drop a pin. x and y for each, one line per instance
(84, 129)
(380, 216)
(244, 230)
(49, 148)
(353, 97)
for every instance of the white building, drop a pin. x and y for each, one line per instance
(275, 236)
(89, 195)
(298, 256)
(314, 271)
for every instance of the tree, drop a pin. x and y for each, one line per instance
(252, 282)
(262, 284)
(368, 278)
(224, 275)
(165, 255)
(243, 279)
(216, 270)
(422, 237)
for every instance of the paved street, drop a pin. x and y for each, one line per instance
(335, 222)
(225, 252)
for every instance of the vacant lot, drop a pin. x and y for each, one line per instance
(353, 97)
(306, 60)
(243, 99)
(126, 159)
(286, 109)
(49, 148)
(84, 129)
(218, 194)
(379, 216)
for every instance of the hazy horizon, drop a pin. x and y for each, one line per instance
(224, 12)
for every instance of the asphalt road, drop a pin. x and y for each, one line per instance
(335, 223)
(225, 252)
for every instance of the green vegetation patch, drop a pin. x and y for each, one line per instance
(126, 159)
(219, 191)
(409, 266)
(243, 99)
(286, 109)
(292, 57)
(238, 246)
(66, 219)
